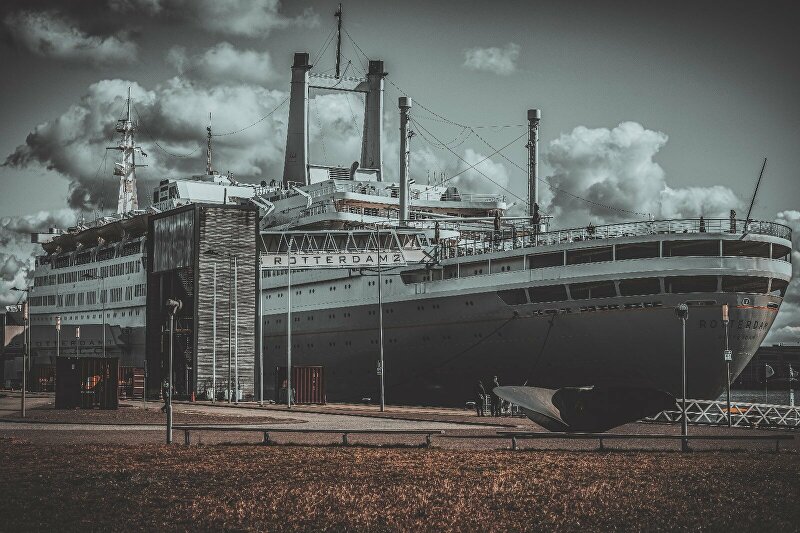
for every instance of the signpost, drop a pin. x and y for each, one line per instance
(728, 356)
(58, 336)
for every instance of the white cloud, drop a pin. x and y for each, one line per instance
(502, 61)
(48, 34)
(175, 113)
(787, 324)
(224, 64)
(248, 18)
(616, 167)
(16, 251)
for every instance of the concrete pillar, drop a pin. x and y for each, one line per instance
(295, 166)
(371, 149)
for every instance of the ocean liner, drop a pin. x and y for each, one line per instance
(444, 283)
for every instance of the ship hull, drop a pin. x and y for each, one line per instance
(436, 358)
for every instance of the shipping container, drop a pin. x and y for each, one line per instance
(43, 378)
(308, 383)
(87, 382)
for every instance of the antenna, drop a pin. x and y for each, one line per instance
(208, 152)
(338, 15)
(753, 200)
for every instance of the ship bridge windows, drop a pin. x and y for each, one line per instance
(592, 289)
(780, 251)
(548, 293)
(745, 248)
(546, 260)
(590, 255)
(688, 284)
(639, 286)
(693, 248)
(751, 284)
(638, 250)
(778, 287)
(513, 296)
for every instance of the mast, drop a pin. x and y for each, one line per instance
(126, 167)
(338, 15)
(208, 150)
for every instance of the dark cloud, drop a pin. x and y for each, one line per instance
(51, 34)
(248, 18)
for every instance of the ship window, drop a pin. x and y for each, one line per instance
(637, 250)
(701, 248)
(631, 287)
(513, 296)
(750, 284)
(778, 287)
(155, 196)
(745, 248)
(551, 293)
(594, 289)
(687, 284)
(780, 252)
(589, 255)
(546, 260)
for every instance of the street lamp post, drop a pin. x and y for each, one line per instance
(58, 336)
(289, 324)
(102, 301)
(173, 306)
(728, 356)
(682, 312)
(25, 346)
(214, 341)
(380, 317)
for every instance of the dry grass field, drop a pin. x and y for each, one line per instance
(278, 488)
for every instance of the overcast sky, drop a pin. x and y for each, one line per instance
(662, 108)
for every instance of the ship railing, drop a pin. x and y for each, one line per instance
(524, 235)
(394, 192)
(715, 413)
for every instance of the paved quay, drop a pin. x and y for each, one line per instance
(139, 422)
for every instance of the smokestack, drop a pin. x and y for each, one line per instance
(534, 116)
(405, 104)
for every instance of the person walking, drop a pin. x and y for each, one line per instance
(165, 394)
(480, 398)
(495, 398)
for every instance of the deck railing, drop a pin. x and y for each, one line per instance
(479, 241)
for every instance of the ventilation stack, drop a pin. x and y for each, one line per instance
(534, 116)
(405, 104)
(295, 167)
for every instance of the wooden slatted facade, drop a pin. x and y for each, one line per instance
(194, 238)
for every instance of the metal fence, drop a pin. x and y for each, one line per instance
(756, 415)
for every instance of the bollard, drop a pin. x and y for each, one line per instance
(266, 438)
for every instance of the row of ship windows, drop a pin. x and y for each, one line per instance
(90, 297)
(119, 269)
(74, 317)
(644, 286)
(331, 288)
(91, 255)
(617, 252)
